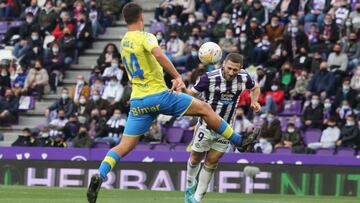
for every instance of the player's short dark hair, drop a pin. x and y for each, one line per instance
(132, 12)
(235, 58)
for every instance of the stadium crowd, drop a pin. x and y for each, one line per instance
(303, 53)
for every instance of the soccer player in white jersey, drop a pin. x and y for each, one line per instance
(221, 89)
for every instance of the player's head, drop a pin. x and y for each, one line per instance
(133, 13)
(232, 65)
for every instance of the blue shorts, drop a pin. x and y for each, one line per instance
(144, 110)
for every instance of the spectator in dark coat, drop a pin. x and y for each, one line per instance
(193, 61)
(294, 40)
(258, 11)
(96, 125)
(82, 139)
(96, 102)
(65, 103)
(83, 32)
(29, 26)
(4, 78)
(345, 92)
(349, 133)
(290, 138)
(323, 82)
(44, 139)
(68, 46)
(25, 140)
(271, 129)
(109, 53)
(8, 108)
(47, 17)
(35, 51)
(189, 26)
(71, 128)
(313, 114)
(54, 63)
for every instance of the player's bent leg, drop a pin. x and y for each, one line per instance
(206, 173)
(214, 121)
(193, 168)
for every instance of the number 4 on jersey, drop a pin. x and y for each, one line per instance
(133, 62)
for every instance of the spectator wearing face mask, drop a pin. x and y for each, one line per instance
(355, 16)
(287, 77)
(175, 46)
(315, 10)
(189, 27)
(96, 102)
(323, 82)
(329, 137)
(25, 140)
(57, 125)
(47, 17)
(260, 53)
(4, 78)
(313, 114)
(302, 61)
(68, 46)
(71, 128)
(258, 11)
(82, 139)
(33, 8)
(44, 139)
(109, 53)
(173, 26)
(19, 82)
(113, 91)
(355, 80)
(83, 33)
(65, 22)
(65, 103)
(270, 134)
(345, 92)
(290, 138)
(9, 105)
(239, 26)
(338, 61)
(35, 51)
(273, 100)
(351, 48)
(80, 89)
(344, 110)
(96, 124)
(94, 18)
(113, 71)
(98, 85)
(36, 80)
(242, 124)
(329, 111)
(228, 42)
(286, 8)
(349, 135)
(329, 32)
(244, 47)
(274, 30)
(81, 109)
(54, 64)
(347, 29)
(221, 26)
(193, 61)
(294, 40)
(254, 32)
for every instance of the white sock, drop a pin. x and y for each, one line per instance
(191, 173)
(205, 176)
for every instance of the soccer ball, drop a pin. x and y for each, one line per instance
(210, 53)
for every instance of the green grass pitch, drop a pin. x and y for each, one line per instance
(22, 194)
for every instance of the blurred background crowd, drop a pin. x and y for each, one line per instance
(304, 54)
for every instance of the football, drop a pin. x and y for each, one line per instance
(210, 53)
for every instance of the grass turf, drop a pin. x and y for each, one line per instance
(22, 194)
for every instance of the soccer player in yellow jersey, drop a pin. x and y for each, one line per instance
(144, 62)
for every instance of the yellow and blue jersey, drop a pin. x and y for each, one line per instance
(145, 73)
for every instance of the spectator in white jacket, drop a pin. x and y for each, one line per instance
(329, 136)
(113, 91)
(337, 61)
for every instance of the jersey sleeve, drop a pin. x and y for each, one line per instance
(201, 85)
(249, 82)
(150, 42)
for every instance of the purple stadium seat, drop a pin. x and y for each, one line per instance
(180, 148)
(188, 136)
(283, 122)
(101, 145)
(69, 144)
(345, 152)
(312, 135)
(15, 23)
(307, 27)
(283, 150)
(3, 27)
(157, 27)
(174, 134)
(162, 147)
(291, 108)
(325, 152)
(258, 121)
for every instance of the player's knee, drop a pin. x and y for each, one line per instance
(211, 163)
(205, 108)
(195, 159)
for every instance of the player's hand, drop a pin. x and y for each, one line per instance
(177, 85)
(256, 106)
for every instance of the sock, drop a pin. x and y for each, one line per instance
(191, 173)
(108, 163)
(205, 176)
(226, 131)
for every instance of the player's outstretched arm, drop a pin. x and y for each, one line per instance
(254, 95)
(178, 84)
